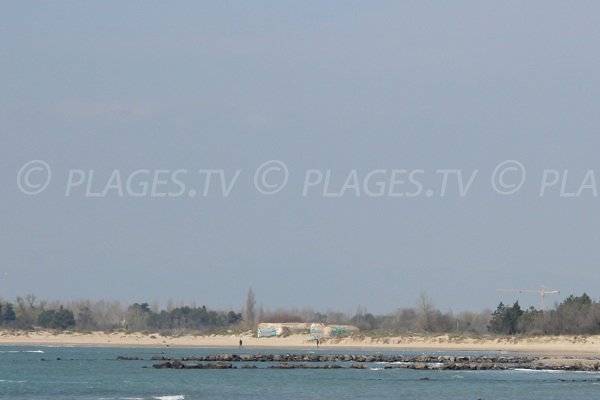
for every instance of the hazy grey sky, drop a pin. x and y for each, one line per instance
(337, 86)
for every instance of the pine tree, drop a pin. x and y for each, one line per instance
(9, 314)
(506, 319)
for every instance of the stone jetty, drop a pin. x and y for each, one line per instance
(366, 361)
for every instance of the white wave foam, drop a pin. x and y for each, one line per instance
(21, 351)
(554, 371)
(436, 364)
(176, 397)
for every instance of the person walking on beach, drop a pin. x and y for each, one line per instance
(317, 342)
(241, 343)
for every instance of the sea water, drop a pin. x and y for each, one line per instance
(95, 373)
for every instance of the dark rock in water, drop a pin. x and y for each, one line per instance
(179, 365)
(284, 366)
(128, 358)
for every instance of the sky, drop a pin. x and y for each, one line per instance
(191, 150)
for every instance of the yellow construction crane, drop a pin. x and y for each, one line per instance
(542, 292)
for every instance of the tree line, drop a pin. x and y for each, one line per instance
(30, 313)
(574, 315)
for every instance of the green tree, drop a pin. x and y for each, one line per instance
(57, 319)
(505, 319)
(9, 314)
(46, 318)
(575, 315)
(578, 301)
(64, 319)
(233, 317)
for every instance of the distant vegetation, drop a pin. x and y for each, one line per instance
(574, 315)
(84, 315)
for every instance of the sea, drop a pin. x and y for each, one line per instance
(94, 373)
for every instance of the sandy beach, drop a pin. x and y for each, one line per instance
(552, 345)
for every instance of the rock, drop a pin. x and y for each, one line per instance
(283, 366)
(128, 358)
(361, 361)
(222, 365)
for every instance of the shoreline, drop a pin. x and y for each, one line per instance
(550, 345)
